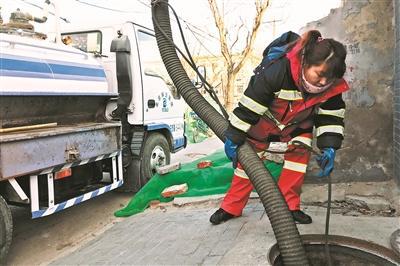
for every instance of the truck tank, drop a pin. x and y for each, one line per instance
(43, 82)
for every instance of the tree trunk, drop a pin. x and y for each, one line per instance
(229, 91)
(234, 66)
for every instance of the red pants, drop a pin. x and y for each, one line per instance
(290, 180)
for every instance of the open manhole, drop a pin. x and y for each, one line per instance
(343, 251)
(395, 241)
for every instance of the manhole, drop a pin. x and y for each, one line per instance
(395, 241)
(343, 250)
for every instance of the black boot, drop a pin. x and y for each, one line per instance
(301, 218)
(220, 216)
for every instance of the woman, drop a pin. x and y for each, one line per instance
(284, 100)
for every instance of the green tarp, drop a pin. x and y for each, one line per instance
(207, 181)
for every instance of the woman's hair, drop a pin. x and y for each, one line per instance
(317, 50)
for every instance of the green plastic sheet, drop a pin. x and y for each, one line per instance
(207, 181)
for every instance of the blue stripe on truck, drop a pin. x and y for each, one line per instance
(178, 142)
(46, 70)
(154, 126)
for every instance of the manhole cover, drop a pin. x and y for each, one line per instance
(343, 250)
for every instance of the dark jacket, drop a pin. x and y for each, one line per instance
(274, 106)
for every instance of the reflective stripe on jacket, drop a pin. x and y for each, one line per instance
(274, 105)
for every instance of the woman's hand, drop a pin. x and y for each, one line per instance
(326, 161)
(230, 151)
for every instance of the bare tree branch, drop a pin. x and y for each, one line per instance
(234, 66)
(261, 7)
(219, 23)
(237, 35)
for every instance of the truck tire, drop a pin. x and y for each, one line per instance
(132, 182)
(156, 153)
(6, 229)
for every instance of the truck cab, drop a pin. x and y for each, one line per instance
(148, 105)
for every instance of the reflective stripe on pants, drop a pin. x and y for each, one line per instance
(290, 182)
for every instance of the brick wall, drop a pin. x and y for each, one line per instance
(396, 101)
(366, 28)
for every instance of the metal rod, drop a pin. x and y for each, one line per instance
(14, 129)
(328, 214)
(34, 190)
(50, 189)
(114, 169)
(328, 209)
(17, 188)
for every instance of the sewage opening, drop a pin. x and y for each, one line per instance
(343, 251)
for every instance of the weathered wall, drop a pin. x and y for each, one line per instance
(366, 28)
(396, 105)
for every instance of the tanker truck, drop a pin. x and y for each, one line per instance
(80, 117)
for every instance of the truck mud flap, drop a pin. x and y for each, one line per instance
(40, 211)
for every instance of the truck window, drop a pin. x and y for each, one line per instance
(151, 60)
(88, 42)
(150, 56)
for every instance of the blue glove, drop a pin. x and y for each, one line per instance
(326, 161)
(230, 151)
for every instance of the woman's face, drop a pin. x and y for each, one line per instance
(315, 74)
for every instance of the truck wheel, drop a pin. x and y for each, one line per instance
(156, 153)
(6, 228)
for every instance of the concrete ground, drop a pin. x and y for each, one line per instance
(90, 234)
(183, 236)
(58, 234)
(179, 233)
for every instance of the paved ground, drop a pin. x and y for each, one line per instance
(171, 235)
(80, 230)
(183, 236)
(57, 233)
(196, 151)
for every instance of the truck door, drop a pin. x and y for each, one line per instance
(159, 103)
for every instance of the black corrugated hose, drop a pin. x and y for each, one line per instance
(285, 230)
